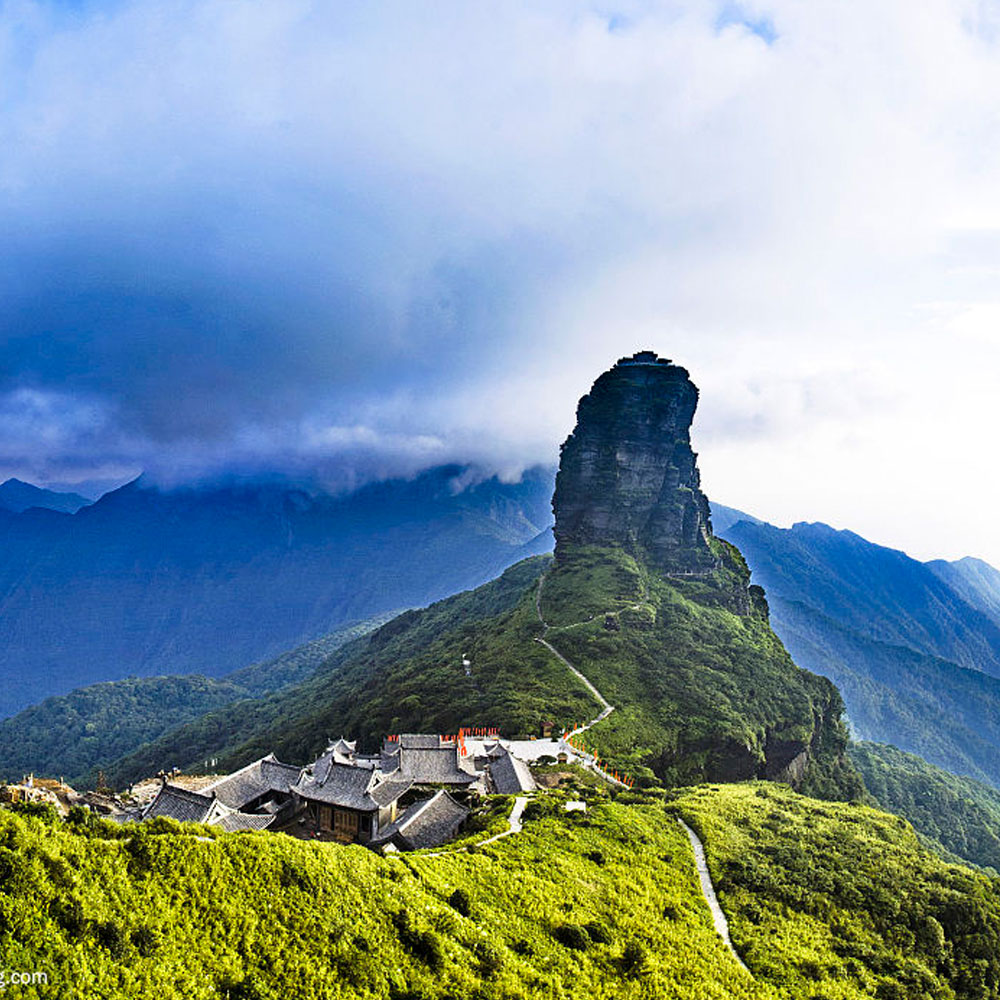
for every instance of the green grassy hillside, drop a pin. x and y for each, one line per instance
(703, 687)
(598, 905)
(825, 901)
(959, 814)
(841, 901)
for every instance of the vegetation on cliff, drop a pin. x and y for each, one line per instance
(703, 688)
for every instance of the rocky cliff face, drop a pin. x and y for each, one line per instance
(627, 474)
(636, 556)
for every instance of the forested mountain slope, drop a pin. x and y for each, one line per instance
(75, 736)
(913, 659)
(204, 580)
(960, 815)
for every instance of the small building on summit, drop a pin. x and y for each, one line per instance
(265, 787)
(509, 775)
(188, 806)
(346, 799)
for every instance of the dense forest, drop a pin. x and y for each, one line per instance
(958, 816)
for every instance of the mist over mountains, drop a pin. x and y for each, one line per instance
(145, 582)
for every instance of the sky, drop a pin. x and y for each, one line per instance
(351, 240)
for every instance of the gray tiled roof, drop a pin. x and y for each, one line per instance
(426, 823)
(339, 785)
(181, 804)
(197, 807)
(251, 782)
(345, 747)
(437, 766)
(237, 821)
(386, 792)
(511, 775)
(414, 741)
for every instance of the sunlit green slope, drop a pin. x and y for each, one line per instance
(825, 900)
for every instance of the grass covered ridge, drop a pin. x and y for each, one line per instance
(836, 901)
(603, 904)
(826, 901)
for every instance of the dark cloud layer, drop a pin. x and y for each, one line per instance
(349, 240)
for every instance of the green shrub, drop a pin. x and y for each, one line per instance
(459, 901)
(572, 936)
(111, 936)
(423, 944)
(633, 962)
(598, 932)
(490, 959)
(145, 940)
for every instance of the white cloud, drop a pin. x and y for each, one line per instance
(439, 222)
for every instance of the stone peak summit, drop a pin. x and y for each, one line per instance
(627, 473)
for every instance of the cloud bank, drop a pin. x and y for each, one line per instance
(363, 239)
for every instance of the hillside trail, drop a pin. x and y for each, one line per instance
(606, 707)
(708, 891)
(514, 825)
(700, 861)
(589, 761)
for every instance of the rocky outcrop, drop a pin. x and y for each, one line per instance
(627, 474)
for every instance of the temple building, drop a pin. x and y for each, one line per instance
(408, 795)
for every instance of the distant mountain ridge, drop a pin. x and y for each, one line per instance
(145, 582)
(879, 592)
(974, 579)
(17, 496)
(916, 661)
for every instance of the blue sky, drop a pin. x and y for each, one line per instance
(356, 240)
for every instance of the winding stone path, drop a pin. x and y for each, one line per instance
(605, 704)
(514, 824)
(708, 891)
(606, 707)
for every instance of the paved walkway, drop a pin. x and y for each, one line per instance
(605, 704)
(514, 824)
(708, 891)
